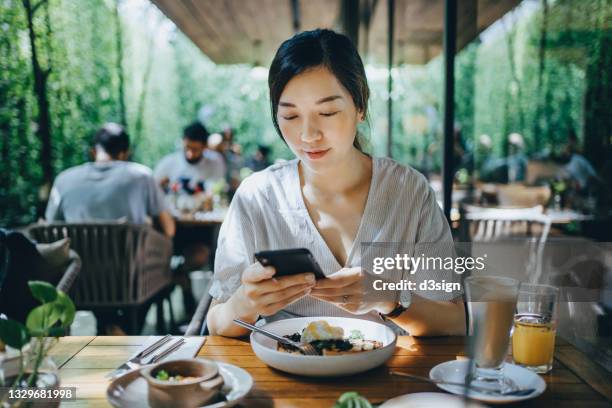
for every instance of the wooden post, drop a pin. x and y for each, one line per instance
(390, 38)
(450, 42)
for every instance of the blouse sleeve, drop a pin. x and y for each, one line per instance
(235, 248)
(434, 239)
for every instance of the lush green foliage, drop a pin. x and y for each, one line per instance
(504, 84)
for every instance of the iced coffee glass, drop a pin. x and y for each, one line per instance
(491, 306)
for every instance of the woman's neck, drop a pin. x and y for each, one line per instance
(345, 176)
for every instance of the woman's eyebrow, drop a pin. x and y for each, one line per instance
(320, 101)
(328, 99)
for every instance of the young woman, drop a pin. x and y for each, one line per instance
(331, 199)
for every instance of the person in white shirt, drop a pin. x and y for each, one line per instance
(332, 199)
(110, 188)
(194, 165)
(195, 168)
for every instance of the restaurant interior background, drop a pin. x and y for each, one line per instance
(531, 79)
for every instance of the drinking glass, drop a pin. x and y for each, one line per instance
(535, 327)
(491, 306)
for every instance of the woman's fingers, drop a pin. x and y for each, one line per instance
(340, 279)
(275, 307)
(344, 299)
(354, 289)
(257, 273)
(278, 284)
(281, 295)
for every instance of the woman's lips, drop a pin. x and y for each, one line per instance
(316, 154)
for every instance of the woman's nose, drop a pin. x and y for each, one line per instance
(310, 132)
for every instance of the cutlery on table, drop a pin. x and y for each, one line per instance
(137, 360)
(517, 392)
(173, 347)
(305, 348)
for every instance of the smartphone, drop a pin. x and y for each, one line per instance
(290, 261)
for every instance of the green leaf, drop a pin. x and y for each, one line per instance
(43, 317)
(352, 400)
(43, 291)
(13, 333)
(68, 309)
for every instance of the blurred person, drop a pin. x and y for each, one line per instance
(234, 159)
(516, 161)
(195, 165)
(110, 188)
(577, 167)
(260, 160)
(490, 168)
(463, 158)
(215, 143)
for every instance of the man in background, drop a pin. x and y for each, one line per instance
(110, 188)
(196, 165)
(260, 160)
(195, 168)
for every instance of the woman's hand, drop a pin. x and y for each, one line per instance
(262, 294)
(347, 289)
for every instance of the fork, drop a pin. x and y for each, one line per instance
(306, 348)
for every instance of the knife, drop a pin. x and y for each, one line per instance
(136, 361)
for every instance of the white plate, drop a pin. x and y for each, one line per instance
(328, 366)
(456, 371)
(131, 390)
(429, 400)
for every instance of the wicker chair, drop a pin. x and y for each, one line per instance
(125, 266)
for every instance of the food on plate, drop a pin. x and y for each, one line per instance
(163, 375)
(329, 340)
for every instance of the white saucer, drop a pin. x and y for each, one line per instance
(131, 389)
(456, 370)
(429, 400)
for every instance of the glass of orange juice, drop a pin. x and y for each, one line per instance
(535, 327)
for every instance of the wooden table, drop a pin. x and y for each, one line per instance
(574, 382)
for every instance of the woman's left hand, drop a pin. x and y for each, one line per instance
(347, 289)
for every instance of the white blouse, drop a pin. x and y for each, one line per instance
(268, 212)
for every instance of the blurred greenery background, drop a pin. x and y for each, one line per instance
(541, 70)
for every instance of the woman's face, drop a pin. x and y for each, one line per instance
(318, 118)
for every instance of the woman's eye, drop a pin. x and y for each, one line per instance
(289, 117)
(329, 113)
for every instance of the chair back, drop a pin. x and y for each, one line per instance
(486, 224)
(483, 224)
(122, 264)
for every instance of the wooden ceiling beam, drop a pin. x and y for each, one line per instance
(250, 31)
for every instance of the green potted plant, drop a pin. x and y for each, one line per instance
(43, 325)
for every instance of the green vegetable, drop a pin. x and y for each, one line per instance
(356, 335)
(162, 375)
(352, 400)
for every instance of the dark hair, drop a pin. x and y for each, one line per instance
(113, 138)
(265, 150)
(196, 132)
(315, 48)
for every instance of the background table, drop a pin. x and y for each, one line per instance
(574, 381)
